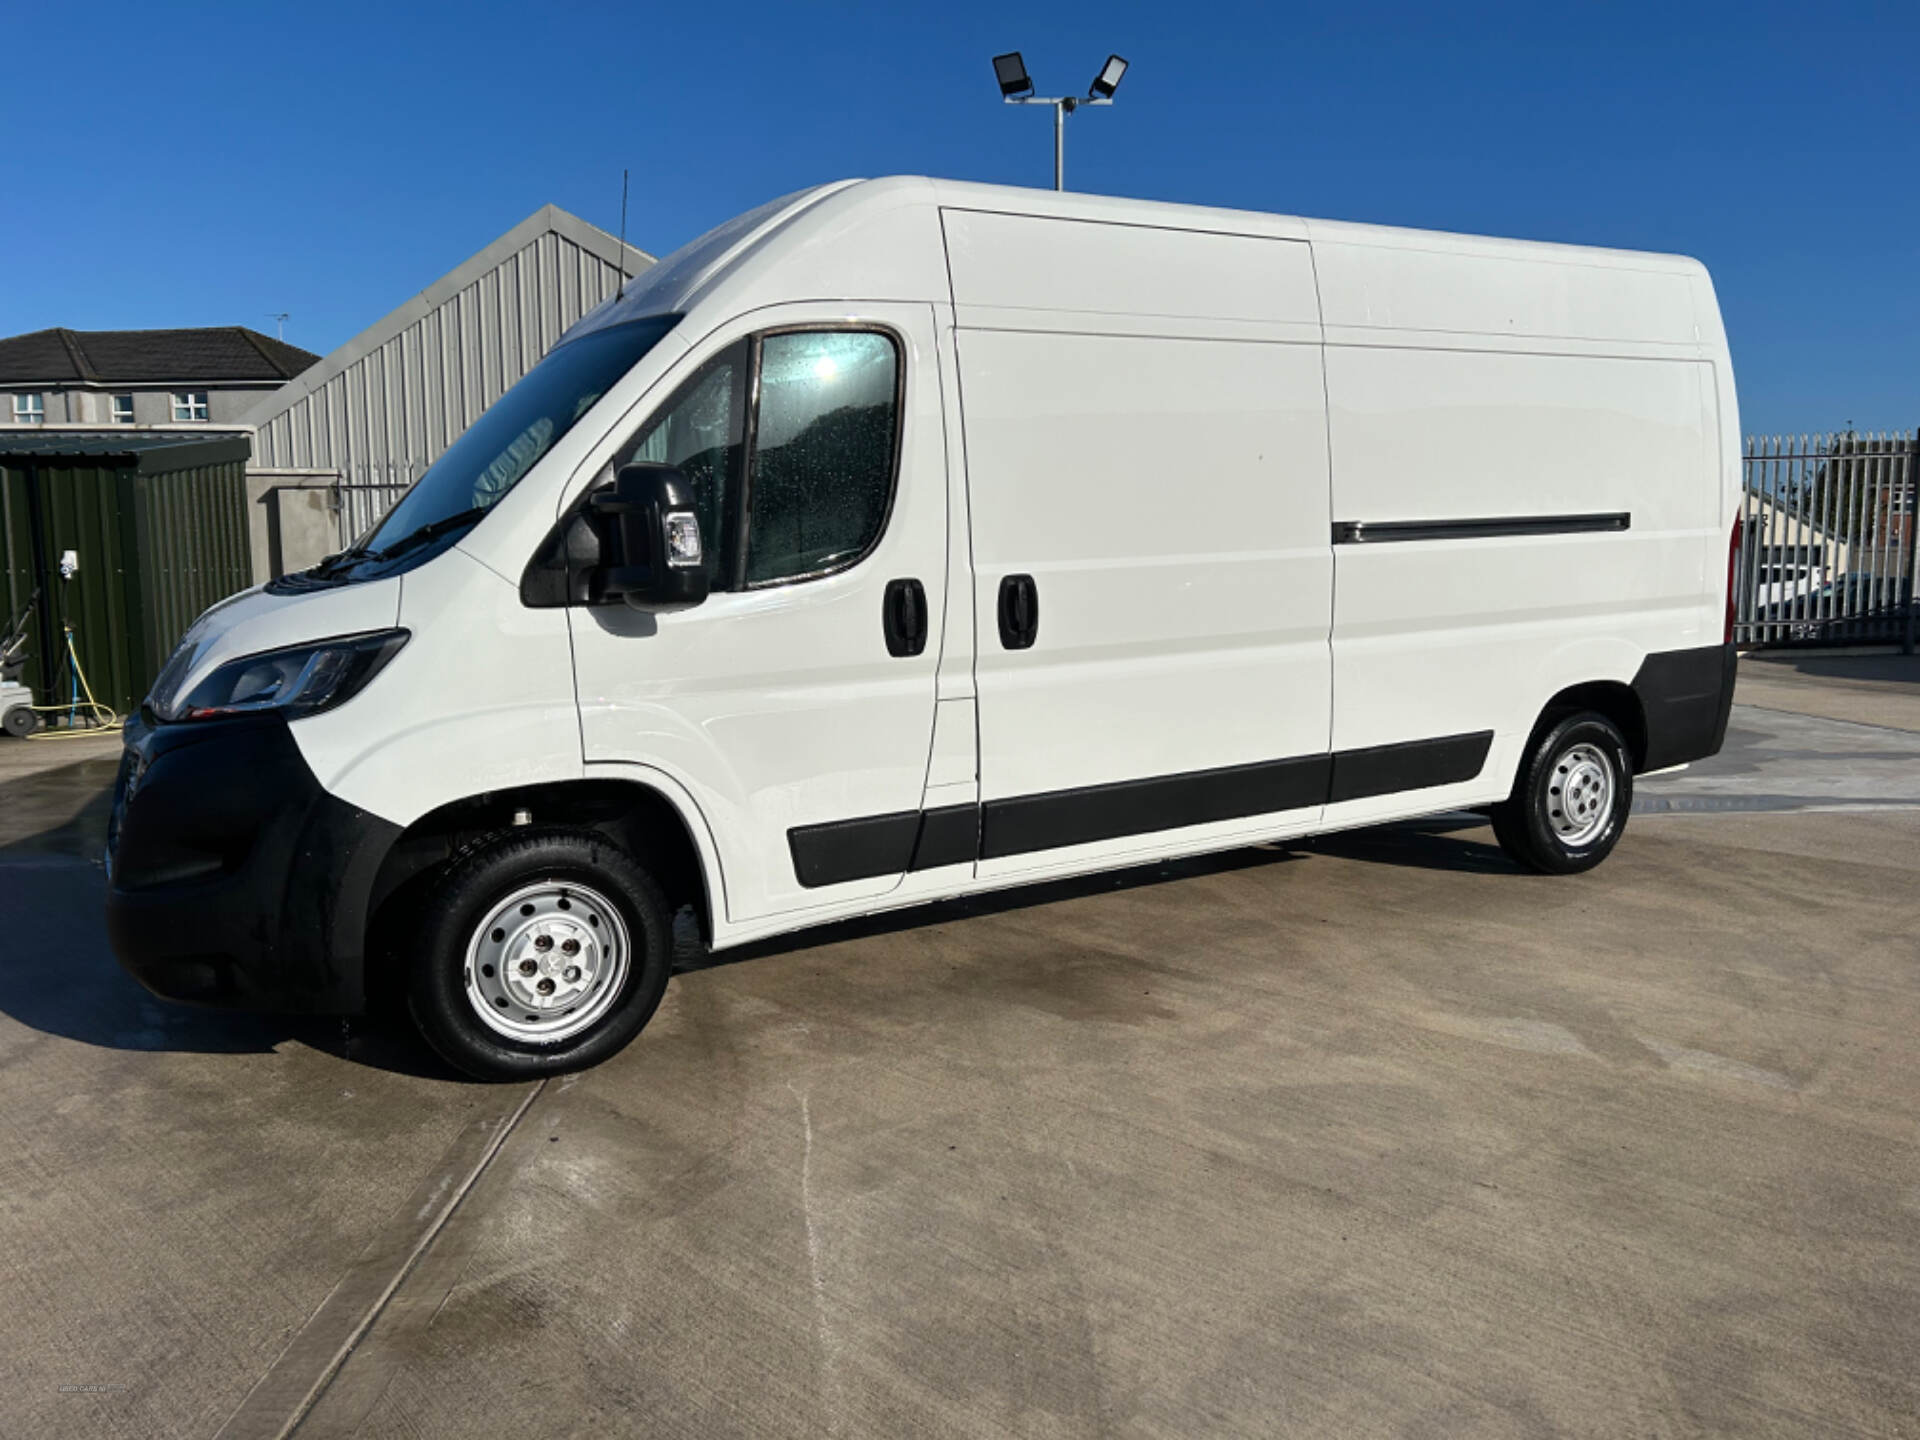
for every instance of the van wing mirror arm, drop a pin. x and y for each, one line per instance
(652, 553)
(604, 549)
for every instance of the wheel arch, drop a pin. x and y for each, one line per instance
(661, 830)
(1614, 699)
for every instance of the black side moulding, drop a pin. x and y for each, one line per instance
(874, 845)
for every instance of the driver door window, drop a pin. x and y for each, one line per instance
(811, 445)
(820, 476)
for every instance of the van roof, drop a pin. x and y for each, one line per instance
(853, 239)
(961, 194)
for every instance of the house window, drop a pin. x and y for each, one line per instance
(189, 405)
(123, 409)
(29, 409)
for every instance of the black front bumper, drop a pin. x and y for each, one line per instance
(234, 878)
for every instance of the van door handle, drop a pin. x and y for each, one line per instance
(903, 616)
(1019, 612)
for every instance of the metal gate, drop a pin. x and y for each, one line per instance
(1827, 554)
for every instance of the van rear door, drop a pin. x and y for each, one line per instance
(1147, 472)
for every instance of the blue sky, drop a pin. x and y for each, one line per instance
(201, 165)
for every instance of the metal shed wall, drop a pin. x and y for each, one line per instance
(81, 508)
(159, 540)
(190, 538)
(384, 406)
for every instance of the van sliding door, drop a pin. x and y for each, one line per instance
(1147, 475)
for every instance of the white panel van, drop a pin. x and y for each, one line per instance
(903, 539)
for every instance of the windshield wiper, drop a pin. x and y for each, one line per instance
(416, 538)
(333, 564)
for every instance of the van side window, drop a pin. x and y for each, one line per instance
(820, 476)
(700, 431)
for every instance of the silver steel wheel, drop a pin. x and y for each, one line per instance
(547, 962)
(1580, 795)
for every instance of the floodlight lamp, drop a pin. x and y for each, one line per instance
(1011, 71)
(1108, 80)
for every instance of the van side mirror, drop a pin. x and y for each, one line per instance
(652, 554)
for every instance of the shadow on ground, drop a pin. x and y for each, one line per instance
(52, 885)
(1431, 844)
(57, 972)
(1890, 668)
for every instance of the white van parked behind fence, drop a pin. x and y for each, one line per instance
(902, 539)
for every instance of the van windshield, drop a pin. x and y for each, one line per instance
(514, 432)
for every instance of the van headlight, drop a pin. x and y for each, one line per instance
(299, 680)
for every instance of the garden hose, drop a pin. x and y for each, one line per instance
(102, 718)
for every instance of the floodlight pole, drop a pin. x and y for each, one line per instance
(1060, 145)
(1063, 106)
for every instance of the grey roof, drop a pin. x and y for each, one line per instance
(149, 451)
(106, 357)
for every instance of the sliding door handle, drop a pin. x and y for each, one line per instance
(903, 616)
(1019, 612)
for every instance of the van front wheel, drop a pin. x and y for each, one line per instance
(539, 951)
(1571, 800)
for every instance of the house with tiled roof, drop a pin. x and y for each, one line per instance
(141, 379)
(334, 440)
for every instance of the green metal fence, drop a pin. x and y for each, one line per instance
(159, 526)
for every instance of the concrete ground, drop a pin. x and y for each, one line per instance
(1866, 686)
(1369, 1135)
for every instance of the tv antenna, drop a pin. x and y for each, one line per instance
(280, 318)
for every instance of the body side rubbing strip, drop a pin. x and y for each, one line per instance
(844, 850)
(1026, 823)
(861, 849)
(1374, 532)
(1413, 765)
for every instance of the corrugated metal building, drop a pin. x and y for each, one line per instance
(369, 418)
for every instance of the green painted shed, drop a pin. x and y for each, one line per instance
(158, 523)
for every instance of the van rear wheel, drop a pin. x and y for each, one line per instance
(1570, 802)
(538, 952)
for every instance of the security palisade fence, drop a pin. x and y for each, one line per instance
(1827, 553)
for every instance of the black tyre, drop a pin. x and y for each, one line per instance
(1570, 802)
(537, 952)
(20, 722)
